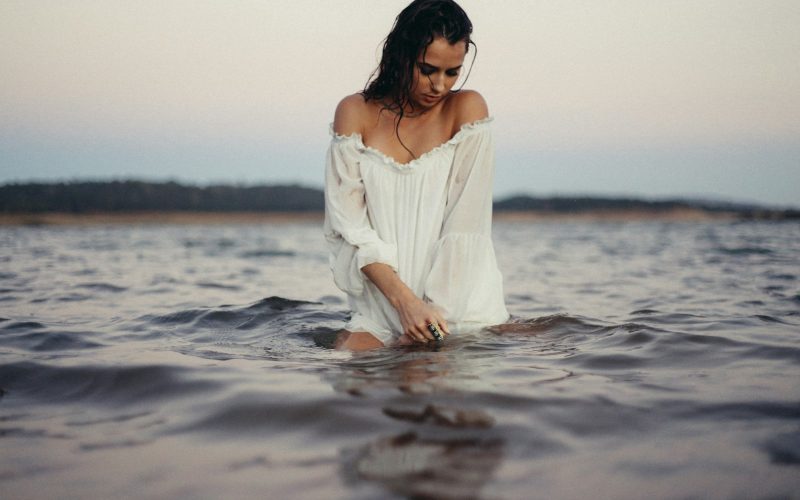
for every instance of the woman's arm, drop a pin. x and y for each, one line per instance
(415, 314)
(352, 240)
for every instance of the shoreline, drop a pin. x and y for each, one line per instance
(214, 218)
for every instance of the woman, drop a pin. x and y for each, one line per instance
(408, 191)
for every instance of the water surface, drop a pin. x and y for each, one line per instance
(645, 359)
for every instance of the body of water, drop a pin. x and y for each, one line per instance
(644, 360)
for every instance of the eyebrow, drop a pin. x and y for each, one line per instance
(423, 63)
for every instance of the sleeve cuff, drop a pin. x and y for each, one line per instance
(348, 261)
(378, 251)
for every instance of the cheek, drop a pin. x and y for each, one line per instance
(415, 79)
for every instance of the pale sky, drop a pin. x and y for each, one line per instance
(660, 98)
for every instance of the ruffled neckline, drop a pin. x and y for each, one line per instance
(465, 130)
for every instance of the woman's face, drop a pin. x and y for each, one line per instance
(436, 71)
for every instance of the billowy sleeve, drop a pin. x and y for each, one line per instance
(352, 241)
(464, 280)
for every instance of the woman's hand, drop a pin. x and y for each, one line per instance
(416, 315)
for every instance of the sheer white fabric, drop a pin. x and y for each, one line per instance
(429, 219)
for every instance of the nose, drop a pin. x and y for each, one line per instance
(437, 83)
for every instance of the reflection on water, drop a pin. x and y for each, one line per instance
(421, 370)
(448, 417)
(643, 360)
(440, 456)
(418, 467)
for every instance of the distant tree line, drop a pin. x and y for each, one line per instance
(566, 204)
(577, 204)
(133, 196)
(138, 196)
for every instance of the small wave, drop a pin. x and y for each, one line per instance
(737, 410)
(176, 318)
(22, 325)
(273, 328)
(632, 345)
(220, 286)
(220, 243)
(128, 385)
(758, 303)
(84, 272)
(672, 318)
(108, 445)
(102, 287)
(99, 246)
(21, 432)
(769, 319)
(74, 297)
(607, 361)
(227, 315)
(114, 419)
(634, 336)
(278, 304)
(644, 312)
(44, 341)
(259, 254)
(681, 338)
(218, 318)
(745, 250)
(248, 413)
(781, 276)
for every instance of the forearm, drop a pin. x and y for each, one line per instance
(415, 315)
(389, 283)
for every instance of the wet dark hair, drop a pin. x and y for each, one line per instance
(414, 29)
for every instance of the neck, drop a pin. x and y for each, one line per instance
(412, 110)
(417, 111)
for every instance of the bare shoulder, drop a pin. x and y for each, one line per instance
(350, 115)
(469, 106)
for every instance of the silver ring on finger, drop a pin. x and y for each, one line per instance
(434, 329)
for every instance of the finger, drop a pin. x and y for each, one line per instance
(424, 330)
(417, 336)
(412, 337)
(443, 326)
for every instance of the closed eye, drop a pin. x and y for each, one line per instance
(427, 69)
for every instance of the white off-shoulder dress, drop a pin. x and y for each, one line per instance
(429, 219)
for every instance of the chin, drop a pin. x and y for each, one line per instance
(424, 103)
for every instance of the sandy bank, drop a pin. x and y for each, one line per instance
(113, 218)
